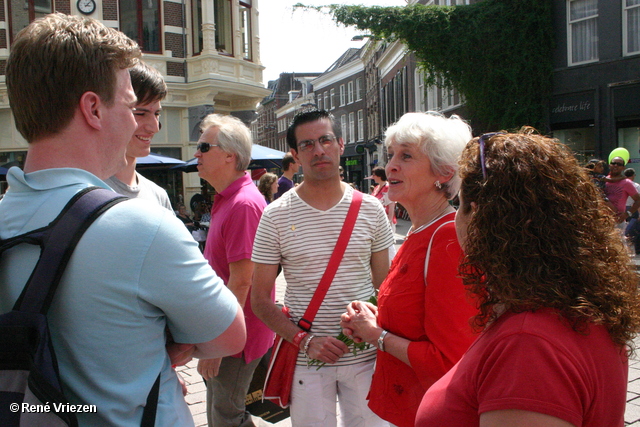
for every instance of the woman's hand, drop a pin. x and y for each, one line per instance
(360, 322)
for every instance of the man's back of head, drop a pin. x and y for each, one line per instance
(287, 161)
(56, 59)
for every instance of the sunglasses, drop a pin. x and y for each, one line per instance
(616, 164)
(481, 142)
(205, 146)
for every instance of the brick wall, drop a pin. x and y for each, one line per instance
(175, 43)
(175, 69)
(173, 14)
(62, 6)
(110, 10)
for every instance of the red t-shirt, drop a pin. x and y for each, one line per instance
(434, 315)
(533, 361)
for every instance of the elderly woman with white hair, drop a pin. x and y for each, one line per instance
(421, 324)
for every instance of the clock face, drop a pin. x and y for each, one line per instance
(86, 6)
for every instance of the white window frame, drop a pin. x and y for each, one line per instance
(350, 92)
(352, 127)
(421, 101)
(332, 96)
(359, 89)
(570, 24)
(319, 102)
(326, 101)
(343, 95)
(343, 125)
(360, 125)
(626, 8)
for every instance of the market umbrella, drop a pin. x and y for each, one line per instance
(261, 157)
(5, 168)
(156, 160)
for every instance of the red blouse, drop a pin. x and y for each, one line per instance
(434, 316)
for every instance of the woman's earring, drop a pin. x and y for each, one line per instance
(438, 185)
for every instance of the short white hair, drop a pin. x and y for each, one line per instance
(441, 139)
(233, 137)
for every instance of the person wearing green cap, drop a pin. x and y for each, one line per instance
(618, 192)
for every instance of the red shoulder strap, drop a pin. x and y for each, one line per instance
(334, 262)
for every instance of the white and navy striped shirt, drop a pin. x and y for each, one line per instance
(302, 239)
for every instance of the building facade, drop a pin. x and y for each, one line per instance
(208, 52)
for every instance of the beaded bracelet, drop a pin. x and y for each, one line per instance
(306, 345)
(297, 338)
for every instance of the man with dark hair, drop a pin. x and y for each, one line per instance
(135, 272)
(150, 89)
(299, 231)
(290, 168)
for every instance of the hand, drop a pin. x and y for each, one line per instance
(326, 349)
(360, 322)
(179, 354)
(209, 368)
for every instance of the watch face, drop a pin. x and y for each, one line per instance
(86, 6)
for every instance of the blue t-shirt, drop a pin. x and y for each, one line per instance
(135, 271)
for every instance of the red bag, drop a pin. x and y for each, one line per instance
(280, 371)
(279, 379)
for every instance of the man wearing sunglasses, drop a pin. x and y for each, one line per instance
(618, 192)
(224, 153)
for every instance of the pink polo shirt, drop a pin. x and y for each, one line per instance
(235, 217)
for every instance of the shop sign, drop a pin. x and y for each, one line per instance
(573, 107)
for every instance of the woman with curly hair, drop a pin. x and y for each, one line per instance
(268, 186)
(558, 297)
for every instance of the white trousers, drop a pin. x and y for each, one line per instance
(315, 393)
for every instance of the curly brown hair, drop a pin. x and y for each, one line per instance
(541, 236)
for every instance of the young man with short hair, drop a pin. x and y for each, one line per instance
(136, 271)
(285, 182)
(299, 231)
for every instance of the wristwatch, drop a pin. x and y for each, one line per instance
(381, 340)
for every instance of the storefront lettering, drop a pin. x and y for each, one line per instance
(580, 106)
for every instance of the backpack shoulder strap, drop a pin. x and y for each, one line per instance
(58, 241)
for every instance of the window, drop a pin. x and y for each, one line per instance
(343, 99)
(420, 91)
(326, 101)
(583, 31)
(222, 21)
(245, 28)
(631, 26)
(196, 22)
(350, 92)
(447, 100)
(343, 125)
(360, 126)
(25, 12)
(352, 127)
(582, 141)
(140, 20)
(333, 96)
(319, 102)
(359, 89)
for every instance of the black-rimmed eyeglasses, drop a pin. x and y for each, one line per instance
(205, 146)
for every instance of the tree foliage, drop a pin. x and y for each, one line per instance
(497, 53)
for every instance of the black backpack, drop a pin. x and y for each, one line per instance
(30, 391)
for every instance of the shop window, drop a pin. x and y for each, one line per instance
(631, 26)
(629, 138)
(581, 141)
(140, 20)
(582, 33)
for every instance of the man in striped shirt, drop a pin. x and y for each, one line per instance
(299, 231)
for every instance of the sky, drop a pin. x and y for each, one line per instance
(304, 41)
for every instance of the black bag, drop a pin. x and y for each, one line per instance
(255, 404)
(28, 367)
